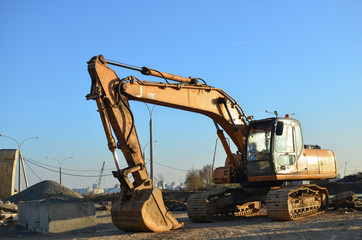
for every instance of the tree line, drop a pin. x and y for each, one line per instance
(199, 178)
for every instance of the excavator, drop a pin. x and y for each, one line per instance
(270, 153)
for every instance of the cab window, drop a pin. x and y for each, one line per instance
(258, 147)
(284, 142)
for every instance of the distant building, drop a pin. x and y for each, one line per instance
(172, 186)
(88, 190)
(115, 189)
(161, 185)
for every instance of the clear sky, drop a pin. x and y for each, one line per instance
(302, 57)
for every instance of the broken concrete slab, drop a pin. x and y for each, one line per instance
(57, 216)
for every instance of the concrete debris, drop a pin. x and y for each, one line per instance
(8, 212)
(8, 206)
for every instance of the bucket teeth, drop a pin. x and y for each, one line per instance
(144, 211)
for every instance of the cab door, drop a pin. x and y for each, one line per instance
(302, 166)
(285, 151)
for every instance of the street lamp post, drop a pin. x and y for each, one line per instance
(21, 160)
(144, 150)
(60, 167)
(151, 142)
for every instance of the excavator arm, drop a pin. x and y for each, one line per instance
(141, 206)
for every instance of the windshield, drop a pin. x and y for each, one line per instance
(259, 139)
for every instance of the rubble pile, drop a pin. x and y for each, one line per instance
(44, 190)
(346, 200)
(8, 212)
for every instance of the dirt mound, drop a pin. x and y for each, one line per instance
(352, 178)
(44, 190)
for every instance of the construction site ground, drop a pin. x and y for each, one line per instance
(332, 224)
(341, 223)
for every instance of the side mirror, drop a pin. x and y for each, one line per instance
(279, 130)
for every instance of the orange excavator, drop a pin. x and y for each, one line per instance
(270, 153)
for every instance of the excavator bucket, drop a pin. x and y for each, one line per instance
(144, 210)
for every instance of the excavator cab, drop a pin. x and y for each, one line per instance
(274, 151)
(273, 145)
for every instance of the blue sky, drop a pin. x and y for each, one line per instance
(302, 57)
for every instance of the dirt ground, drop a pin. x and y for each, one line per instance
(330, 225)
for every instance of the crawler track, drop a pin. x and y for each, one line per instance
(295, 202)
(288, 203)
(218, 205)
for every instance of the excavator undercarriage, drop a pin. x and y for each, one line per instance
(222, 204)
(284, 203)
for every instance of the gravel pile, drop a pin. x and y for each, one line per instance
(44, 190)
